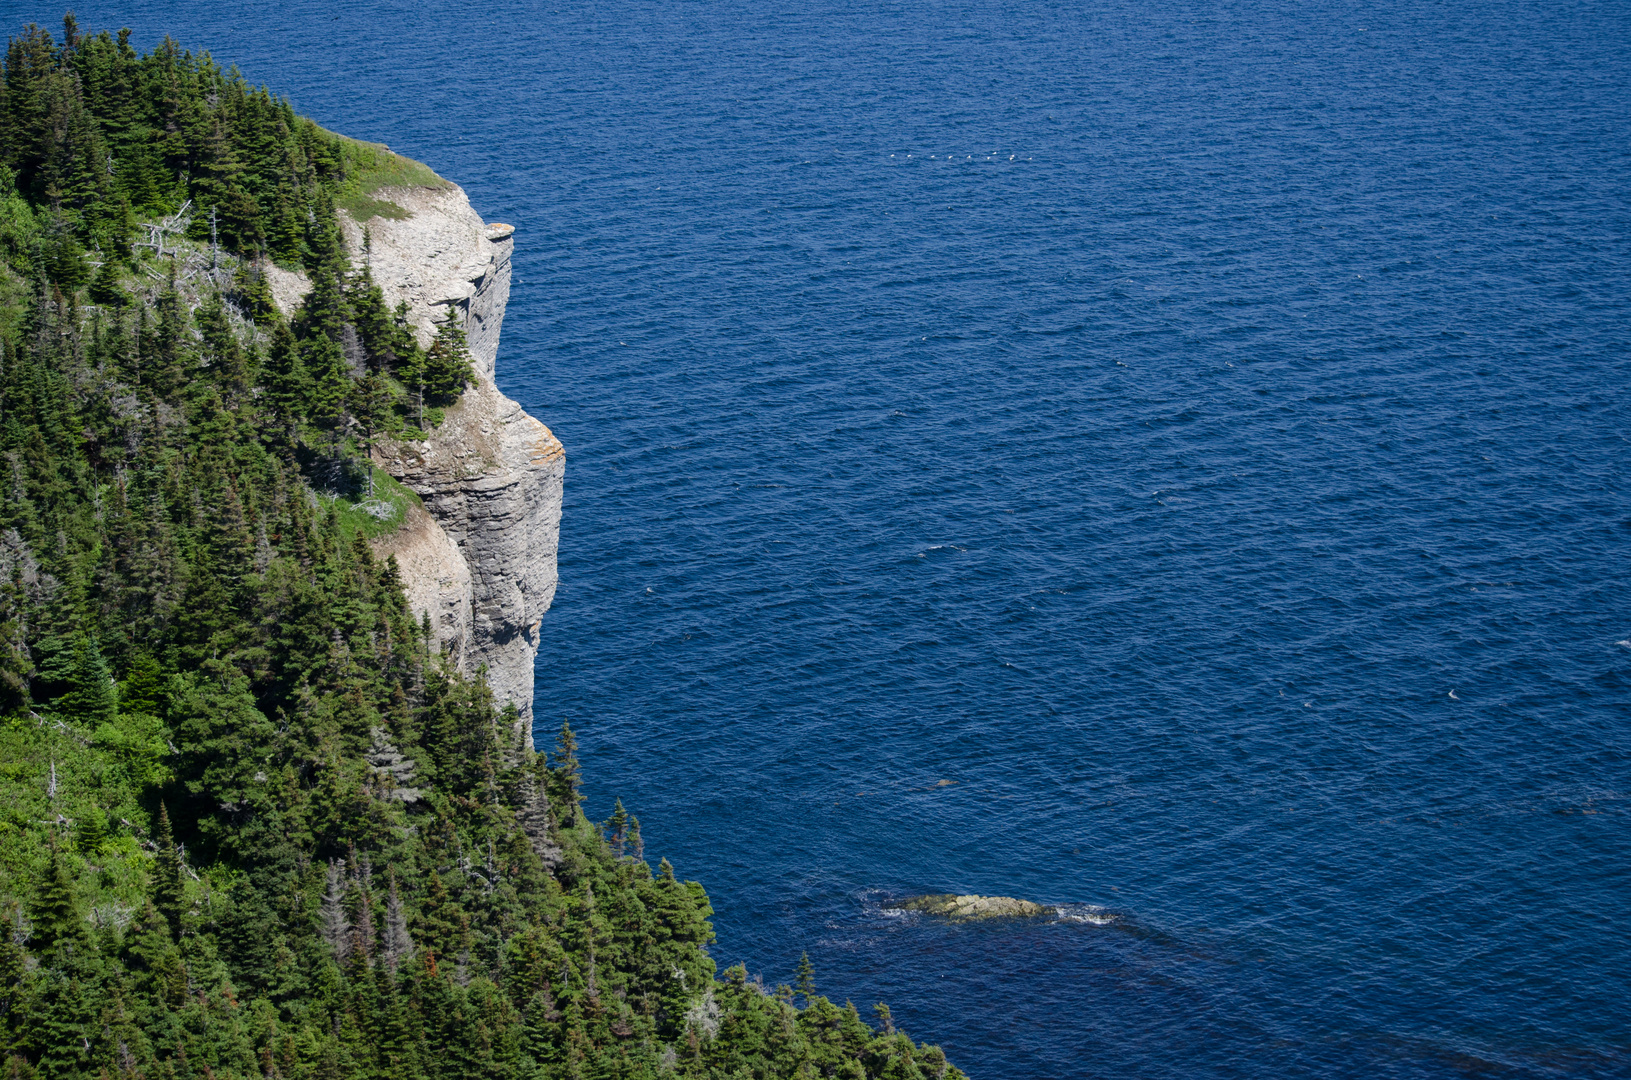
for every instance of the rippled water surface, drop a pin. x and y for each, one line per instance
(1196, 431)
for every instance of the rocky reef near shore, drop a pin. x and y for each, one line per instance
(970, 907)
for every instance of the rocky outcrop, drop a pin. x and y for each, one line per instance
(289, 287)
(481, 558)
(971, 907)
(491, 475)
(435, 577)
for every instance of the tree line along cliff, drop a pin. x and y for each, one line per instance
(252, 822)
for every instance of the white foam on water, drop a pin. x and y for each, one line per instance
(1085, 913)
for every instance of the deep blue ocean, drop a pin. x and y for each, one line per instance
(1168, 460)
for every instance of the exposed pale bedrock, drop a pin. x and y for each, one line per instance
(435, 576)
(482, 562)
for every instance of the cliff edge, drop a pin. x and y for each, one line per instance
(481, 558)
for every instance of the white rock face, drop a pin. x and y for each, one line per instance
(490, 475)
(289, 287)
(435, 577)
(439, 255)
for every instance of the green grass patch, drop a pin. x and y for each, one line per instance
(372, 517)
(370, 167)
(363, 207)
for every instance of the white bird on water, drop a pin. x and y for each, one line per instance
(1453, 697)
(1627, 644)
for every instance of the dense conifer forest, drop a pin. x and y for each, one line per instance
(251, 823)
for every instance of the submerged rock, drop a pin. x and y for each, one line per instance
(971, 907)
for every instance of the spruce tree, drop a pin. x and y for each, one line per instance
(439, 919)
(228, 365)
(286, 381)
(328, 393)
(62, 1022)
(165, 887)
(253, 293)
(373, 403)
(336, 927)
(247, 937)
(143, 686)
(565, 778)
(448, 366)
(411, 370)
(55, 910)
(616, 829)
(90, 697)
(91, 831)
(105, 288)
(806, 978)
(398, 945)
(372, 318)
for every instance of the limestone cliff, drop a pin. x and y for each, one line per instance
(435, 576)
(482, 560)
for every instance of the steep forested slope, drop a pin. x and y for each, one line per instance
(250, 825)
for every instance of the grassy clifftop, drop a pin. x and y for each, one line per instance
(372, 168)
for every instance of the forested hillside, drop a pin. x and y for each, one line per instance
(250, 824)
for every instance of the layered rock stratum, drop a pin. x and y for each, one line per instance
(480, 555)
